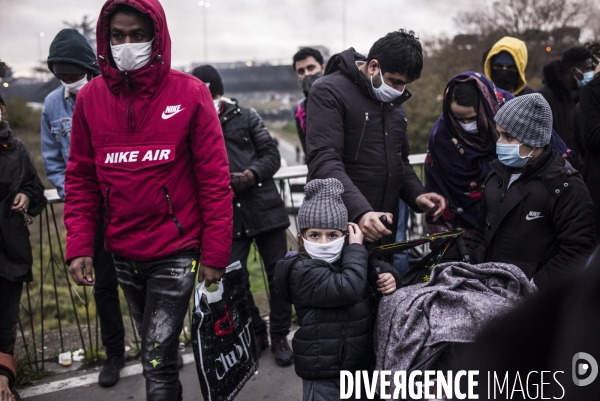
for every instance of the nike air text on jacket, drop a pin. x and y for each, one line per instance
(147, 144)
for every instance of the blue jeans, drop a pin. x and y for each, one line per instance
(401, 258)
(158, 293)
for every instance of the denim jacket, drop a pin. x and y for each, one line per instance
(56, 135)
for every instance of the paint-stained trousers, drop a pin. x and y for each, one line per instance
(158, 294)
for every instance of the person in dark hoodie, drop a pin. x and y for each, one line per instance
(308, 66)
(589, 118)
(535, 211)
(21, 196)
(327, 280)
(563, 80)
(72, 60)
(356, 132)
(505, 65)
(146, 142)
(259, 214)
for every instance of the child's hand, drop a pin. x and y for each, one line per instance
(386, 283)
(355, 236)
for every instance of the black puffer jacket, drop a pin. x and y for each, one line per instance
(359, 140)
(543, 223)
(332, 304)
(17, 175)
(562, 101)
(250, 146)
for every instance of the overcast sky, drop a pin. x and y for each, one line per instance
(238, 30)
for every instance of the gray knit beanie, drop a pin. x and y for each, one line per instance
(527, 118)
(323, 206)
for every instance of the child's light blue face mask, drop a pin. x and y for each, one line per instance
(508, 154)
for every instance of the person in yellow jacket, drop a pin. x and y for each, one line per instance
(505, 65)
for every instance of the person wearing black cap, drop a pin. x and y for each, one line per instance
(259, 214)
(72, 60)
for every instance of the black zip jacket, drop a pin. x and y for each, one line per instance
(359, 140)
(17, 175)
(589, 118)
(543, 223)
(562, 101)
(334, 311)
(250, 146)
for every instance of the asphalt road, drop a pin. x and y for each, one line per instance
(272, 382)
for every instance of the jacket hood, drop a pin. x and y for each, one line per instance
(553, 79)
(159, 65)
(69, 46)
(345, 62)
(518, 50)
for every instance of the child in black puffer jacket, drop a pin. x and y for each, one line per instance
(328, 284)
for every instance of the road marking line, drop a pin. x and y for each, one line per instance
(92, 378)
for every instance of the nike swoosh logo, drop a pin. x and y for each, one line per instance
(533, 218)
(167, 116)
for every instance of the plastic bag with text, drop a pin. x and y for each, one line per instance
(223, 337)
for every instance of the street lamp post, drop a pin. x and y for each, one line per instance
(40, 35)
(205, 5)
(344, 23)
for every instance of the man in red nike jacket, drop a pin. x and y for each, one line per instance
(146, 142)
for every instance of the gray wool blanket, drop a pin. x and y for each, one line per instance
(457, 302)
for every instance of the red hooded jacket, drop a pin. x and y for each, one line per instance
(148, 145)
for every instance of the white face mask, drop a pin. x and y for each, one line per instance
(470, 128)
(329, 252)
(75, 86)
(131, 56)
(217, 103)
(385, 93)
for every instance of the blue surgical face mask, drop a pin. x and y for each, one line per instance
(587, 77)
(509, 155)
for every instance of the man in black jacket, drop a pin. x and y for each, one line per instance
(589, 104)
(536, 212)
(563, 80)
(356, 132)
(259, 214)
(308, 65)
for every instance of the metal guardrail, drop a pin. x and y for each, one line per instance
(57, 316)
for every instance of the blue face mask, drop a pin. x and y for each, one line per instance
(509, 155)
(587, 77)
